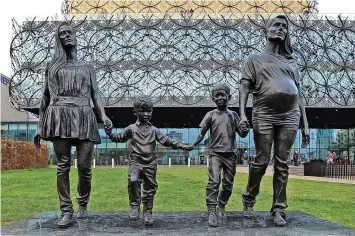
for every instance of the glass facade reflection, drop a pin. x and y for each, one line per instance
(341, 141)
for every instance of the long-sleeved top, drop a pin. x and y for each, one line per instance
(144, 137)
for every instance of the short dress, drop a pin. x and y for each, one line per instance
(69, 114)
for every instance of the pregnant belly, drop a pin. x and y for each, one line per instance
(281, 97)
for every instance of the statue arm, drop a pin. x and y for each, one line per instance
(241, 129)
(302, 105)
(200, 136)
(95, 95)
(301, 100)
(244, 90)
(247, 82)
(167, 141)
(120, 137)
(45, 99)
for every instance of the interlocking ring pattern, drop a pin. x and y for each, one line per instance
(177, 60)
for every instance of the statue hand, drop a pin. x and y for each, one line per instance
(305, 136)
(37, 140)
(189, 147)
(244, 124)
(107, 124)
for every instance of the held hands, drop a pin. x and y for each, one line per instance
(305, 136)
(244, 124)
(107, 124)
(184, 147)
(188, 148)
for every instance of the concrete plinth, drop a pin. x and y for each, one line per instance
(177, 223)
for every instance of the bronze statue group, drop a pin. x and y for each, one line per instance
(272, 76)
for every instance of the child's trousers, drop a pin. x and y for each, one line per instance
(218, 162)
(139, 173)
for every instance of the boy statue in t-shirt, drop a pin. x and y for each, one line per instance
(222, 124)
(143, 158)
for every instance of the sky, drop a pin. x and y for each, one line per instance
(20, 9)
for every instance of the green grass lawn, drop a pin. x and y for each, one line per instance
(28, 192)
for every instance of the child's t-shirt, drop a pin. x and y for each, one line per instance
(144, 139)
(222, 126)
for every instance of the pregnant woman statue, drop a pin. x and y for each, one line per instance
(274, 81)
(67, 119)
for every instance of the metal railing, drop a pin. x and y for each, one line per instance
(339, 170)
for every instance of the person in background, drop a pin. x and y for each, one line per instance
(330, 157)
(334, 156)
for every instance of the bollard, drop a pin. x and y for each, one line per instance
(208, 162)
(169, 162)
(75, 163)
(113, 163)
(93, 163)
(188, 162)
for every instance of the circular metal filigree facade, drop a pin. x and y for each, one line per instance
(177, 60)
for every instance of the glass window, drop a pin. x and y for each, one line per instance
(32, 129)
(4, 131)
(101, 158)
(193, 133)
(178, 156)
(321, 142)
(13, 131)
(180, 135)
(104, 138)
(162, 151)
(22, 132)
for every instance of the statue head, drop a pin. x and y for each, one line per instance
(66, 35)
(277, 31)
(65, 39)
(143, 108)
(221, 94)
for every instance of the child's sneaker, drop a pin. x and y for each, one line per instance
(212, 217)
(148, 218)
(135, 212)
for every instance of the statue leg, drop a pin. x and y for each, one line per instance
(263, 138)
(284, 138)
(214, 180)
(150, 185)
(62, 149)
(134, 183)
(84, 150)
(229, 170)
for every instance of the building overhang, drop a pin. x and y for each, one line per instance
(190, 117)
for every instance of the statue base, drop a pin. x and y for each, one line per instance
(176, 223)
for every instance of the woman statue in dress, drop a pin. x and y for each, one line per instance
(274, 80)
(67, 119)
